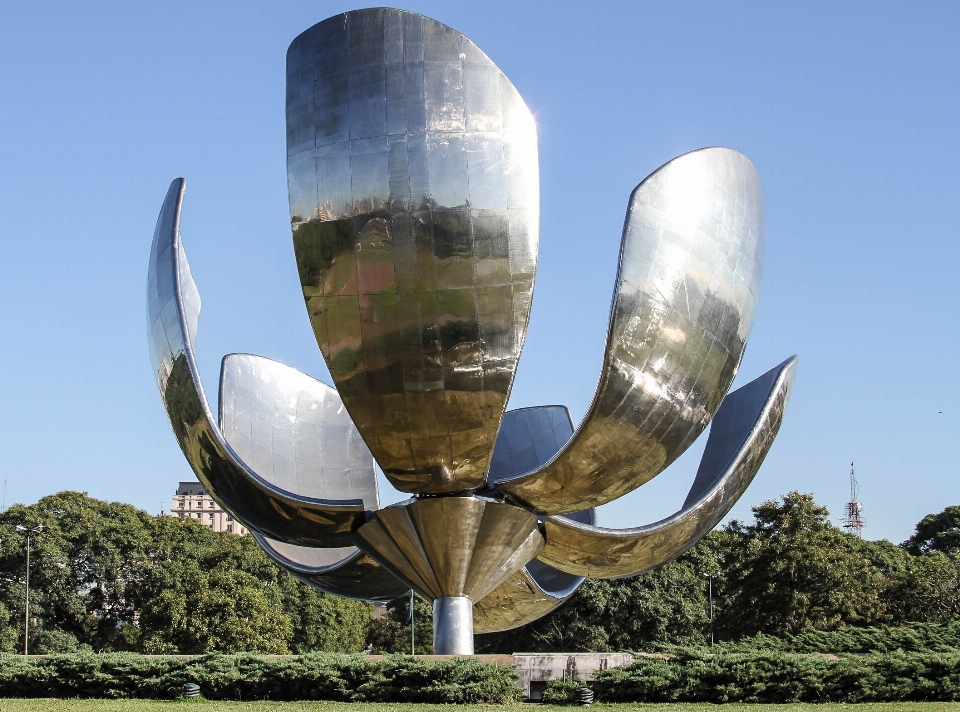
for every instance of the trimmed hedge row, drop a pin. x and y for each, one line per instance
(918, 638)
(318, 676)
(775, 677)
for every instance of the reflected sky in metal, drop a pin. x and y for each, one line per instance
(690, 267)
(294, 431)
(414, 201)
(173, 312)
(740, 437)
(528, 437)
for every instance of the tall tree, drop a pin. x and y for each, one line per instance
(937, 533)
(929, 591)
(108, 576)
(792, 571)
(219, 610)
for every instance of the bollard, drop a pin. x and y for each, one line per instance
(190, 689)
(583, 696)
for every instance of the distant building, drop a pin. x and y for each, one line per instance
(192, 502)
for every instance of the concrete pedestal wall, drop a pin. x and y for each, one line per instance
(536, 669)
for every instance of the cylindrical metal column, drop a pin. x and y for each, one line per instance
(453, 626)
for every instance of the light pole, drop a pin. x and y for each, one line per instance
(26, 608)
(709, 578)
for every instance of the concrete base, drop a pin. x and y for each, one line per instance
(536, 669)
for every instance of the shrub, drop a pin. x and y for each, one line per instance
(560, 692)
(318, 676)
(921, 637)
(697, 676)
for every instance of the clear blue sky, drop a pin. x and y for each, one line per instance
(850, 111)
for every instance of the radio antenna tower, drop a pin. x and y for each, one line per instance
(853, 521)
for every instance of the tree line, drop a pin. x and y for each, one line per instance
(110, 577)
(786, 573)
(107, 576)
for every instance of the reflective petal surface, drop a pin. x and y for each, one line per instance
(528, 437)
(344, 571)
(173, 311)
(517, 601)
(740, 437)
(451, 547)
(294, 431)
(687, 288)
(414, 202)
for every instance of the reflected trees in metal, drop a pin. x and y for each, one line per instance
(414, 204)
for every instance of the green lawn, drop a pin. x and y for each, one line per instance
(10, 705)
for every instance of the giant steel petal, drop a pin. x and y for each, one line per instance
(686, 293)
(345, 571)
(173, 310)
(528, 437)
(294, 431)
(740, 437)
(414, 203)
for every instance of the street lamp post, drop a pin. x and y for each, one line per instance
(709, 578)
(26, 608)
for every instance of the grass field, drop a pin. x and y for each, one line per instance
(11, 705)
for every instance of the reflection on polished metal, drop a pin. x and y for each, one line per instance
(451, 546)
(173, 311)
(687, 288)
(346, 572)
(740, 438)
(414, 202)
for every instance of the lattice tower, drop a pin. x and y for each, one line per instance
(853, 519)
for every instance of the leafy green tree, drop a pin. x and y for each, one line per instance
(9, 634)
(792, 571)
(929, 592)
(937, 533)
(109, 576)
(87, 566)
(219, 610)
(324, 622)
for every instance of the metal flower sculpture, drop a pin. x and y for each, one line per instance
(413, 180)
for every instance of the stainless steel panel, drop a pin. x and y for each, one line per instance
(530, 593)
(515, 602)
(529, 438)
(742, 434)
(173, 310)
(344, 571)
(414, 199)
(528, 435)
(686, 293)
(451, 546)
(294, 431)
